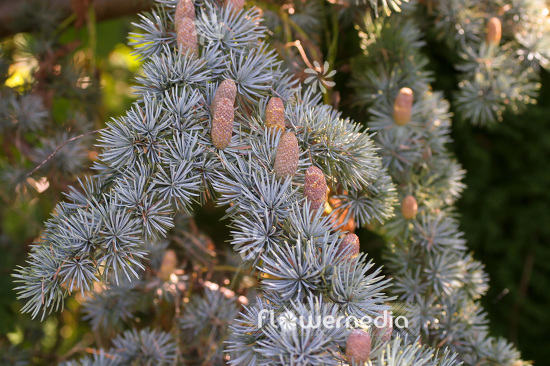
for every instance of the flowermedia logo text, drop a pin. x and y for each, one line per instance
(288, 321)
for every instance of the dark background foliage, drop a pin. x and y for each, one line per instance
(506, 215)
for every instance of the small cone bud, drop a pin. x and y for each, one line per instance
(187, 36)
(402, 106)
(494, 31)
(238, 5)
(358, 347)
(315, 187)
(169, 265)
(349, 247)
(409, 207)
(287, 156)
(275, 114)
(383, 327)
(227, 89)
(222, 123)
(184, 9)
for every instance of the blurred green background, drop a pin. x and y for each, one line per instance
(506, 217)
(505, 209)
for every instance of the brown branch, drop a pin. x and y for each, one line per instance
(59, 148)
(10, 11)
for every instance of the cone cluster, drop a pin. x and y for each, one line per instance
(185, 26)
(409, 207)
(287, 156)
(494, 31)
(315, 187)
(358, 347)
(275, 114)
(402, 106)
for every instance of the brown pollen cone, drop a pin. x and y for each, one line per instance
(409, 207)
(275, 114)
(222, 123)
(315, 187)
(184, 9)
(384, 327)
(349, 246)
(287, 156)
(169, 265)
(187, 36)
(494, 31)
(402, 106)
(358, 347)
(227, 89)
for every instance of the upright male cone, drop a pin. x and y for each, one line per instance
(187, 36)
(358, 347)
(184, 9)
(275, 114)
(237, 5)
(494, 31)
(409, 207)
(222, 123)
(315, 187)
(287, 156)
(402, 106)
(227, 89)
(349, 247)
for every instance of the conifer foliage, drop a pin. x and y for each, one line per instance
(219, 120)
(199, 132)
